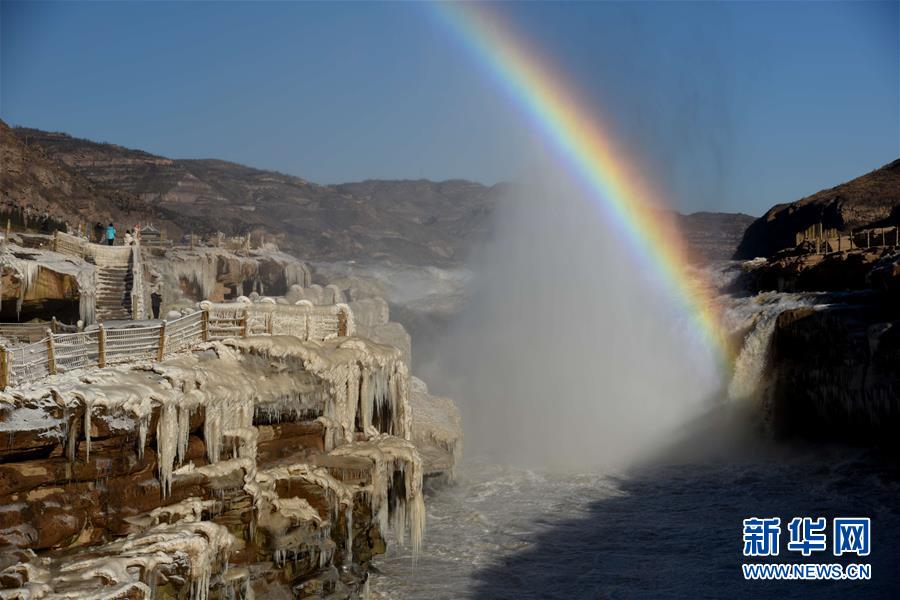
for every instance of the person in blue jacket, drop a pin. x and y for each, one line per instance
(110, 235)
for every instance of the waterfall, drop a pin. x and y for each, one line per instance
(758, 315)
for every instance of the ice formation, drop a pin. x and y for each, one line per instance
(302, 320)
(200, 267)
(191, 550)
(26, 270)
(214, 414)
(435, 423)
(394, 460)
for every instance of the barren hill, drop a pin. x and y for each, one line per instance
(411, 221)
(872, 200)
(419, 222)
(36, 187)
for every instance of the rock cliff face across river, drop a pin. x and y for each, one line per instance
(831, 365)
(869, 201)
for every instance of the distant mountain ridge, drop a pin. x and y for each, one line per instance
(416, 222)
(713, 236)
(419, 222)
(35, 187)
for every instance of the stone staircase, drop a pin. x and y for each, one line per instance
(114, 293)
(114, 280)
(118, 276)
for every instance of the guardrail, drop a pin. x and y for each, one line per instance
(33, 331)
(827, 240)
(98, 348)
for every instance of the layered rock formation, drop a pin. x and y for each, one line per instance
(833, 272)
(829, 369)
(261, 465)
(264, 464)
(833, 372)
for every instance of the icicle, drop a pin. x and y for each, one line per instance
(87, 305)
(88, 405)
(349, 512)
(212, 430)
(184, 430)
(142, 436)
(166, 445)
(29, 271)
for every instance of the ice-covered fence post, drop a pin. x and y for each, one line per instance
(5, 360)
(161, 349)
(54, 325)
(55, 240)
(244, 320)
(101, 346)
(342, 322)
(205, 322)
(51, 355)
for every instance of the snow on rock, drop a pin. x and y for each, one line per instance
(209, 414)
(191, 551)
(393, 458)
(435, 423)
(214, 272)
(358, 374)
(25, 265)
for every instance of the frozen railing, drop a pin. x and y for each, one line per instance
(825, 240)
(74, 351)
(61, 352)
(32, 363)
(33, 331)
(71, 245)
(304, 321)
(137, 283)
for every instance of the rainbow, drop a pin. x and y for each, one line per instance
(587, 151)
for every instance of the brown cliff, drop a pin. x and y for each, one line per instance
(872, 200)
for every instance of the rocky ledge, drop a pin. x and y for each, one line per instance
(832, 371)
(874, 268)
(831, 364)
(266, 466)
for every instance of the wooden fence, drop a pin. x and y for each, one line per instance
(33, 331)
(60, 352)
(828, 240)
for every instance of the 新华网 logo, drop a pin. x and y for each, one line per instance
(807, 536)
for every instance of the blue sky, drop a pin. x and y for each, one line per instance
(728, 106)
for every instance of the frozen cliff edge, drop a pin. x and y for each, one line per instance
(249, 465)
(828, 362)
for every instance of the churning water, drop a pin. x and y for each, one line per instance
(664, 530)
(668, 527)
